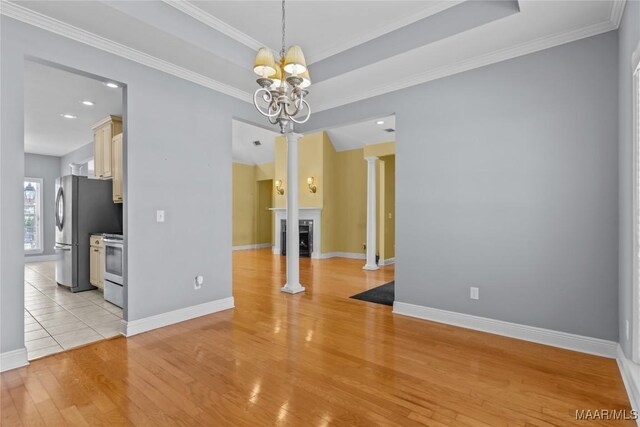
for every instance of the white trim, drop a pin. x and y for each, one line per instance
(351, 255)
(489, 58)
(28, 16)
(314, 214)
(559, 339)
(387, 261)
(215, 23)
(31, 17)
(13, 359)
(40, 258)
(256, 246)
(617, 9)
(239, 36)
(134, 327)
(635, 206)
(630, 373)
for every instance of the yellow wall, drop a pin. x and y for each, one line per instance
(310, 163)
(331, 209)
(264, 219)
(265, 171)
(387, 249)
(341, 178)
(380, 150)
(243, 196)
(252, 192)
(352, 201)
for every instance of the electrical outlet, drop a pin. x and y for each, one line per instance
(474, 293)
(159, 216)
(626, 330)
(197, 283)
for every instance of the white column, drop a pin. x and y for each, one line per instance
(293, 231)
(371, 214)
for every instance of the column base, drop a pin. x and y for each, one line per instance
(292, 289)
(371, 267)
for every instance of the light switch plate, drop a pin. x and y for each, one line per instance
(474, 293)
(159, 216)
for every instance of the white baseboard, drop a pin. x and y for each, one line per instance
(40, 258)
(352, 255)
(559, 339)
(134, 327)
(630, 373)
(387, 261)
(247, 247)
(13, 359)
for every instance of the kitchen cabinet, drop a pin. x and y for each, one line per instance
(96, 261)
(116, 156)
(103, 133)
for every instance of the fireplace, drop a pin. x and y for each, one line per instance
(306, 237)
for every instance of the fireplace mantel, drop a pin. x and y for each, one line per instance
(314, 214)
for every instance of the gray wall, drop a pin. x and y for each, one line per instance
(178, 155)
(507, 179)
(79, 155)
(47, 168)
(629, 35)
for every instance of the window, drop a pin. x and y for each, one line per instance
(33, 215)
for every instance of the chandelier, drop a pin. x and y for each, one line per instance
(280, 97)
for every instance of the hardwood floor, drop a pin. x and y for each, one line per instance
(312, 359)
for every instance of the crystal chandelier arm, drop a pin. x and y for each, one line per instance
(268, 98)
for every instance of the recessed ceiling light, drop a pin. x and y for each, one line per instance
(380, 122)
(88, 103)
(112, 85)
(68, 116)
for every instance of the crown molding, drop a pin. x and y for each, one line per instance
(28, 16)
(53, 25)
(215, 23)
(617, 9)
(218, 25)
(476, 62)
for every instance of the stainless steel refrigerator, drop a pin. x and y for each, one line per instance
(83, 206)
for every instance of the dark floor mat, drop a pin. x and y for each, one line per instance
(384, 294)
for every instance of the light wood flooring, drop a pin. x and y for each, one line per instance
(312, 359)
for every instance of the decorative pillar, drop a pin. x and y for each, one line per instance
(293, 230)
(371, 214)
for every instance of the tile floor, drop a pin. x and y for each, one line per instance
(57, 319)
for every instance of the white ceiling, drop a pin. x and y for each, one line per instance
(50, 92)
(357, 135)
(213, 43)
(539, 25)
(321, 28)
(348, 137)
(245, 151)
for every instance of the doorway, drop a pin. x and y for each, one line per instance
(65, 201)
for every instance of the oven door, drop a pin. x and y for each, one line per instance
(113, 260)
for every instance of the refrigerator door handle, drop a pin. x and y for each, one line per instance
(62, 248)
(60, 209)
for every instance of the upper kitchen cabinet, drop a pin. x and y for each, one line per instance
(116, 155)
(103, 133)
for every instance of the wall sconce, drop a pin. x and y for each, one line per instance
(312, 187)
(279, 187)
